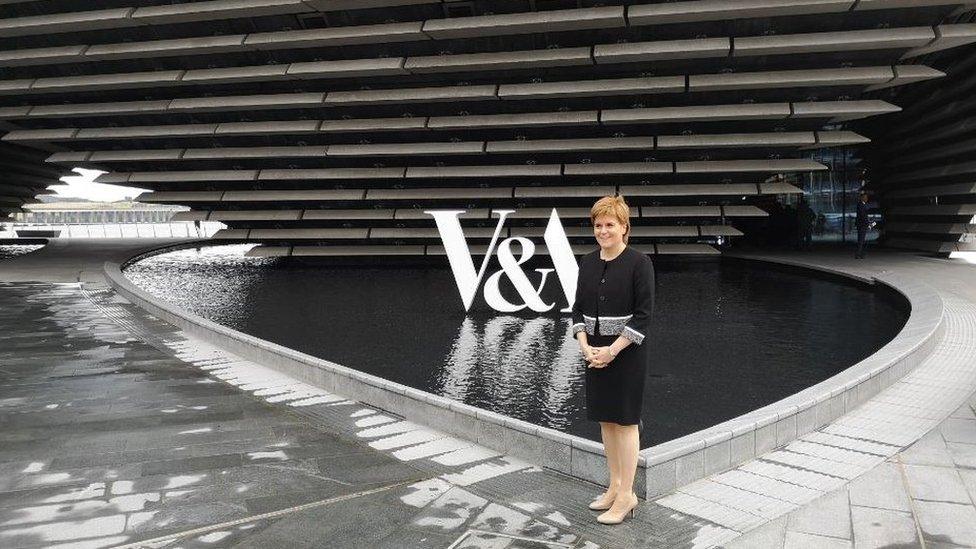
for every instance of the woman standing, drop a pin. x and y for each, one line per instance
(611, 316)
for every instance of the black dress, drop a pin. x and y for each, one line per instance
(615, 298)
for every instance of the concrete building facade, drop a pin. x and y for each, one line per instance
(327, 127)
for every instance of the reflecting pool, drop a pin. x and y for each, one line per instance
(729, 335)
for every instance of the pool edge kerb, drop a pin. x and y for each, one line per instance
(817, 397)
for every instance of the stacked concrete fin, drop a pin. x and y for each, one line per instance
(924, 166)
(317, 127)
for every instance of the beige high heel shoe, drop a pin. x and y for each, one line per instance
(597, 505)
(632, 512)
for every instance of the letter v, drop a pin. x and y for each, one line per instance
(458, 254)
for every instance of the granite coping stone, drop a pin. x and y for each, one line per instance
(698, 454)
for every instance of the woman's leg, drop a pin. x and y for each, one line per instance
(609, 436)
(626, 447)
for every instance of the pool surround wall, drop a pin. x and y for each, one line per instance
(661, 468)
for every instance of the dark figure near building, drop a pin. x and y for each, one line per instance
(805, 218)
(821, 224)
(792, 227)
(862, 224)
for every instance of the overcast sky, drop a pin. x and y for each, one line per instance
(81, 186)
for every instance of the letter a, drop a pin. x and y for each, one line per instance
(562, 258)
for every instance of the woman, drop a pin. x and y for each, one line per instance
(611, 316)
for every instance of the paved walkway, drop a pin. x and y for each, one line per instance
(118, 429)
(922, 496)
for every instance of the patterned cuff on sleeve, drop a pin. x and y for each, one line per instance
(633, 335)
(578, 327)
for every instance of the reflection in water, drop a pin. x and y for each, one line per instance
(14, 250)
(506, 363)
(728, 336)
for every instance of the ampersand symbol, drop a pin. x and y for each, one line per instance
(512, 268)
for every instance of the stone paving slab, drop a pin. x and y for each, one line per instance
(923, 495)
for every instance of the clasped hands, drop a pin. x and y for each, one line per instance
(596, 357)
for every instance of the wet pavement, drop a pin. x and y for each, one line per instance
(119, 430)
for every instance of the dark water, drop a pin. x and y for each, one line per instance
(14, 250)
(730, 336)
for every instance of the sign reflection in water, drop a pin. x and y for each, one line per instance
(507, 363)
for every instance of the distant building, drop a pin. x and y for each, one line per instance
(87, 212)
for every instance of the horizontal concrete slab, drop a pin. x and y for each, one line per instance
(136, 155)
(772, 166)
(743, 211)
(171, 130)
(558, 145)
(278, 100)
(691, 189)
(85, 109)
(526, 22)
(293, 196)
(235, 74)
(408, 149)
(420, 213)
(437, 193)
(412, 95)
(192, 176)
(347, 68)
(530, 59)
(65, 22)
(254, 215)
(773, 139)
(790, 78)
(633, 52)
(363, 250)
(268, 128)
(253, 152)
(41, 56)
(179, 196)
(427, 232)
(872, 39)
(680, 211)
(719, 10)
(401, 123)
(620, 168)
(106, 81)
(154, 48)
(544, 119)
(564, 192)
(538, 170)
(696, 113)
(839, 111)
(336, 36)
(314, 174)
(593, 88)
(215, 9)
(306, 234)
(719, 230)
(338, 214)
